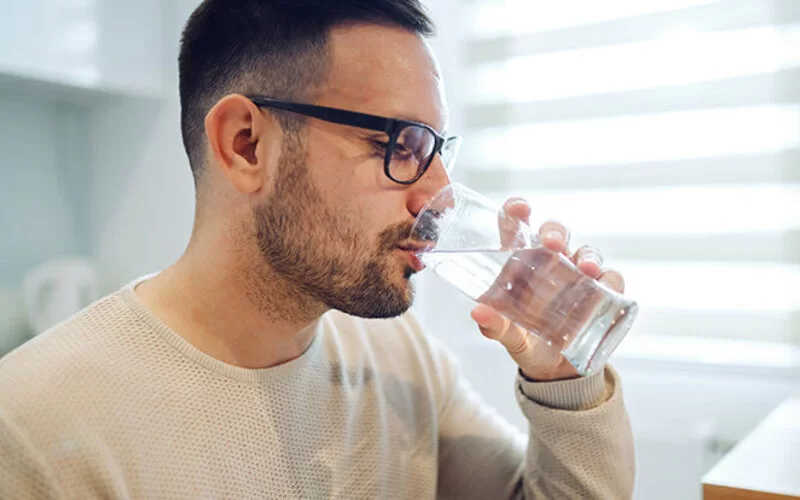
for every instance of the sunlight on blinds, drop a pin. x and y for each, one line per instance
(666, 133)
(673, 210)
(528, 16)
(735, 286)
(653, 137)
(673, 60)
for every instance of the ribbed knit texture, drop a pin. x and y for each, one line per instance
(113, 404)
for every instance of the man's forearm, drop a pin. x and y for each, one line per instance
(580, 442)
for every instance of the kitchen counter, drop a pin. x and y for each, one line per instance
(765, 465)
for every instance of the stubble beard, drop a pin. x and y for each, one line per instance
(319, 255)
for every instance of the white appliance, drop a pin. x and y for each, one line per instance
(56, 289)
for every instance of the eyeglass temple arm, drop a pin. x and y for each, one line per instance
(340, 116)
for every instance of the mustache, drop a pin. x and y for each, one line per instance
(393, 236)
(427, 232)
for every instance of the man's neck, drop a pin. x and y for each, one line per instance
(229, 312)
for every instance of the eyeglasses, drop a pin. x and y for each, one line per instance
(411, 145)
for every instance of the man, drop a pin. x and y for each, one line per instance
(245, 370)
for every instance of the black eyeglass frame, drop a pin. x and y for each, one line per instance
(392, 127)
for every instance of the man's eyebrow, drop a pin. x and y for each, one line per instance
(372, 133)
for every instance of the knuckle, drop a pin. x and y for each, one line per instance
(518, 345)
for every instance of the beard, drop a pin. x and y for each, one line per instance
(321, 254)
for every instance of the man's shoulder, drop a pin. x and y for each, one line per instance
(66, 357)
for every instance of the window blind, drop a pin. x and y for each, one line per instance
(665, 132)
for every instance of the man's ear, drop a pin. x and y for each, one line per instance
(234, 127)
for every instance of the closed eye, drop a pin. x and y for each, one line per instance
(401, 152)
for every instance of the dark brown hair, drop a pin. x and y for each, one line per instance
(268, 47)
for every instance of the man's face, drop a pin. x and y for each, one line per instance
(335, 225)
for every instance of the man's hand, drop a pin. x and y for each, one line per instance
(536, 359)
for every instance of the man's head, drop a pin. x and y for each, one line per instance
(306, 201)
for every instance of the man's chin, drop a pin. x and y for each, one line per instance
(385, 311)
(390, 300)
(397, 303)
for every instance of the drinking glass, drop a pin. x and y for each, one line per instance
(498, 260)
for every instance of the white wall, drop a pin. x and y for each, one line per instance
(99, 45)
(142, 200)
(41, 212)
(88, 168)
(36, 204)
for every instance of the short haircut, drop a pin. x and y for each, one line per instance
(268, 47)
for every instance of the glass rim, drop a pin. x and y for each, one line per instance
(455, 188)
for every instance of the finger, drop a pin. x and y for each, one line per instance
(514, 212)
(612, 279)
(497, 327)
(531, 354)
(554, 236)
(589, 260)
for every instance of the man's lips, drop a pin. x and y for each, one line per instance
(416, 247)
(412, 251)
(416, 263)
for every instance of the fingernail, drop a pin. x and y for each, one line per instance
(481, 323)
(592, 257)
(554, 235)
(519, 202)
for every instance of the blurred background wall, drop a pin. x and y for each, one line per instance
(667, 133)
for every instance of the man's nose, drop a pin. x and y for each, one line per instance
(433, 180)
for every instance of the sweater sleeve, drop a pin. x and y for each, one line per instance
(579, 446)
(24, 474)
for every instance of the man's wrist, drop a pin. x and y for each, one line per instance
(548, 377)
(574, 394)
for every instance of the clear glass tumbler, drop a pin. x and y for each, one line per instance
(497, 260)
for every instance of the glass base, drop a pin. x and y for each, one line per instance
(591, 350)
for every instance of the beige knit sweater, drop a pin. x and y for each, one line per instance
(113, 404)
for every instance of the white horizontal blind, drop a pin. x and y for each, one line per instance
(665, 132)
